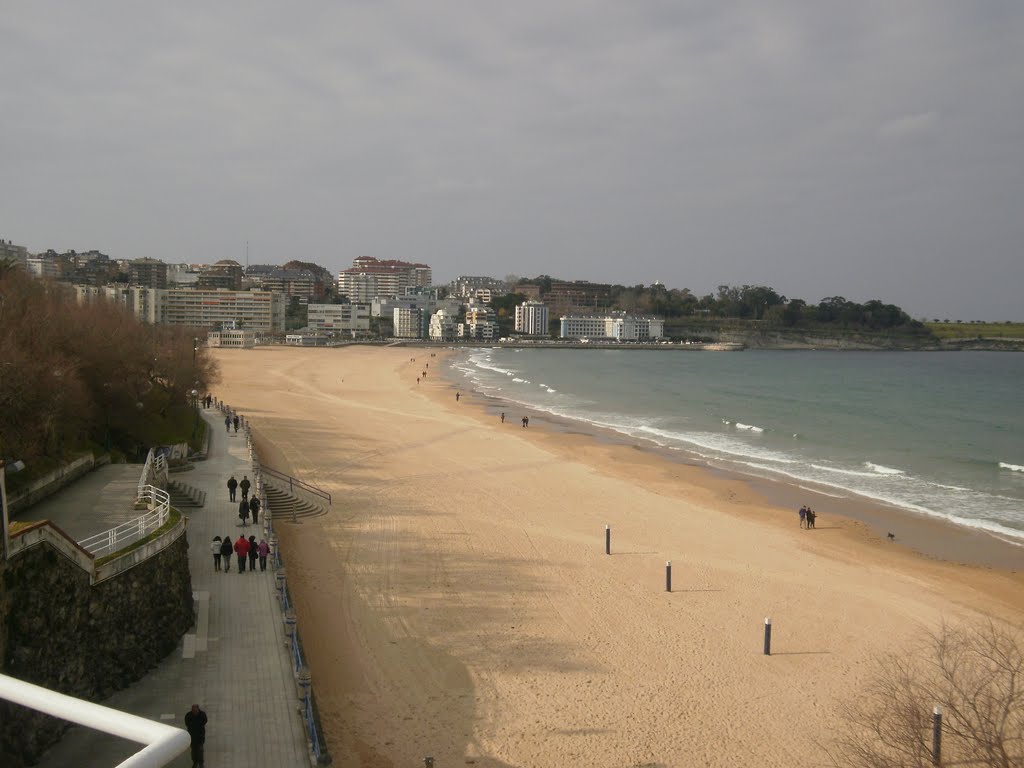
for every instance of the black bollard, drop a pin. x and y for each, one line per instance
(767, 637)
(668, 575)
(607, 540)
(937, 735)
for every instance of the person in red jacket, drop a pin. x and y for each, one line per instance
(242, 550)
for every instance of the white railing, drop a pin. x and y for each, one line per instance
(117, 538)
(163, 742)
(154, 471)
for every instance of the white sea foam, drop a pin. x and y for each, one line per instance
(517, 379)
(552, 391)
(882, 470)
(840, 471)
(1011, 467)
(749, 427)
(821, 492)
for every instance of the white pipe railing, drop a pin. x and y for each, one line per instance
(154, 471)
(116, 538)
(163, 742)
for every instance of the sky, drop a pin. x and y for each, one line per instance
(869, 149)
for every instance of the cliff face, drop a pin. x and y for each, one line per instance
(58, 631)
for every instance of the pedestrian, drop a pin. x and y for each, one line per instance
(215, 549)
(235, 422)
(242, 550)
(253, 553)
(524, 422)
(457, 396)
(526, 419)
(195, 724)
(502, 417)
(254, 508)
(232, 485)
(227, 424)
(812, 518)
(264, 550)
(225, 552)
(243, 511)
(803, 515)
(244, 487)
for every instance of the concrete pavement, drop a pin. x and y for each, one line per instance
(234, 662)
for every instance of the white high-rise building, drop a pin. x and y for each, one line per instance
(532, 318)
(442, 326)
(409, 322)
(339, 318)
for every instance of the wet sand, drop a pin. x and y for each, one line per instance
(457, 602)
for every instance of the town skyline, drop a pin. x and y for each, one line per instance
(867, 150)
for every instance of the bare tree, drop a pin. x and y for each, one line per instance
(975, 674)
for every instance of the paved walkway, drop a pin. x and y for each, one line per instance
(95, 502)
(233, 663)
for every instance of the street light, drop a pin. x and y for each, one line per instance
(195, 406)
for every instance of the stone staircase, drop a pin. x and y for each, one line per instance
(285, 506)
(184, 496)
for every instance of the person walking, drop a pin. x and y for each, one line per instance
(244, 487)
(232, 485)
(235, 422)
(457, 396)
(254, 508)
(225, 552)
(227, 424)
(502, 417)
(195, 724)
(242, 550)
(803, 516)
(243, 512)
(253, 554)
(215, 549)
(264, 550)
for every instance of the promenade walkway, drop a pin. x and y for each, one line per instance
(234, 662)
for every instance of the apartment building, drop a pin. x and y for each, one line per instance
(532, 318)
(370, 278)
(410, 322)
(149, 273)
(299, 283)
(339, 318)
(260, 311)
(15, 253)
(442, 326)
(226, 274)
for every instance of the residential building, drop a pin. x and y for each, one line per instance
(149, 273)
(385, 307)
(532, 318)
(473, 287)
(442, 326)
(479, 324)
(352, 319)
(226, 274)
(577, 297)
(410, 322)
(370, 278)
(236, 338)
(16, 253)
(43, 266)
(260, 311)
(292, 283)
(256, 273)
(615, 325)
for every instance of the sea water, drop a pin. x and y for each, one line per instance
(940, 434)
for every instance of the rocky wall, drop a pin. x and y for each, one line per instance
(87, 641)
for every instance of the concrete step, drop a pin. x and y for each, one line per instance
(184, 495)
(285, 506)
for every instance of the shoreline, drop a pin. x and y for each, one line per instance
(930, 537)
(456, 600)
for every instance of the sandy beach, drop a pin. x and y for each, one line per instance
(456, 601)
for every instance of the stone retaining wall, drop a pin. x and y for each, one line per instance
(88, 641)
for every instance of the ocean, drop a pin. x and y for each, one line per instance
(939, 434)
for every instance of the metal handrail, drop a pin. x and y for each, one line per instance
(163, 742)
(292, 481)
(116, 538)
(155, 469)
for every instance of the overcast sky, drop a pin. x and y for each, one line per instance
(863, 149)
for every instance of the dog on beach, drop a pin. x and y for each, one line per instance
(892, 536)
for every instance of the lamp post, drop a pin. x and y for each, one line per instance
(195, 407)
